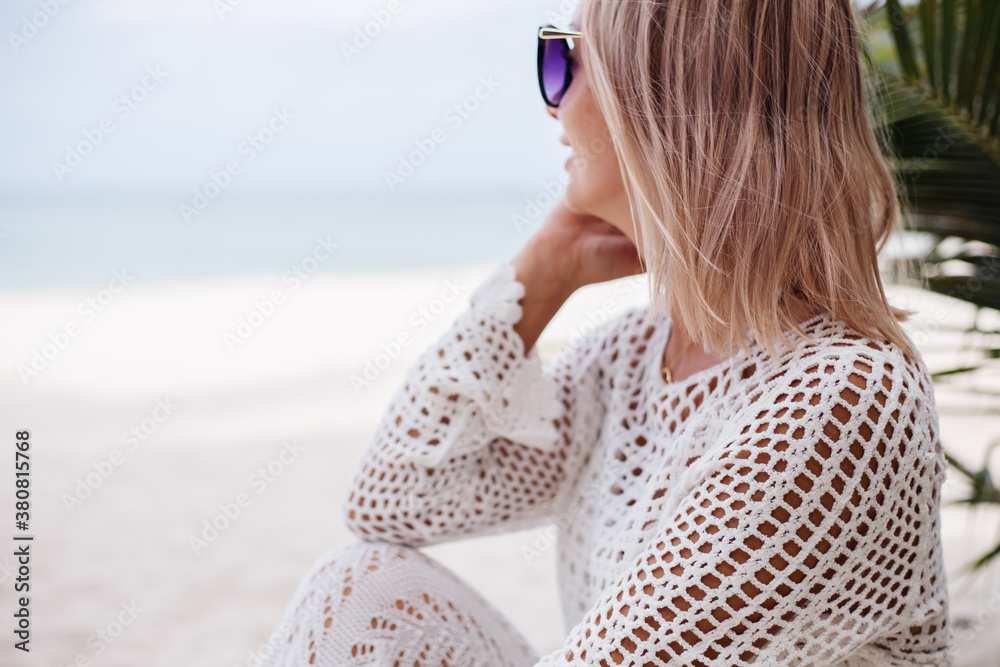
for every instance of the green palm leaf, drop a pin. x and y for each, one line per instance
(939, 98)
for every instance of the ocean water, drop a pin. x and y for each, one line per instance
(81, 241)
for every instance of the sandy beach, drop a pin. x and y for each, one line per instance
(171, 401)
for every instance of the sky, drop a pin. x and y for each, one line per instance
(151, 97)
(155, 97)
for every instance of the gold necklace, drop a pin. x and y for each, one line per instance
(666, 369)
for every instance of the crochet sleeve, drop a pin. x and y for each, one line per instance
(479, 439)
(799, 540)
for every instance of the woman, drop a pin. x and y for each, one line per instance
(772, 497)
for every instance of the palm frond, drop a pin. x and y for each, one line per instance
(940, 100)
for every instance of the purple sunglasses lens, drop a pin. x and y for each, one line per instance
(554, 69)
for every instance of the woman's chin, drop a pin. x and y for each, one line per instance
(577, 200)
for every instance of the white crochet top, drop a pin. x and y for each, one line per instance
(767, 510)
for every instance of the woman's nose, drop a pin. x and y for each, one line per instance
(553, 111)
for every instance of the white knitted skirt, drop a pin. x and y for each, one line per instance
(374, 603)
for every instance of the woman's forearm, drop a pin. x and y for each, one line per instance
(545, 291)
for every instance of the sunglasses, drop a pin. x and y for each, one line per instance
(554, 63)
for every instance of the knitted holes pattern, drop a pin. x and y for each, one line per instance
(765, 511)
(480, 439)
(373, 603)
(808, 536)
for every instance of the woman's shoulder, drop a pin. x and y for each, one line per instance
(836, 355)
(859, 395)
(863, 382)
(839, 350)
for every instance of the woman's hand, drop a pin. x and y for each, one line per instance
(568, 252)
(582, 249)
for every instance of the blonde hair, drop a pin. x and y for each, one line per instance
(750, 157)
